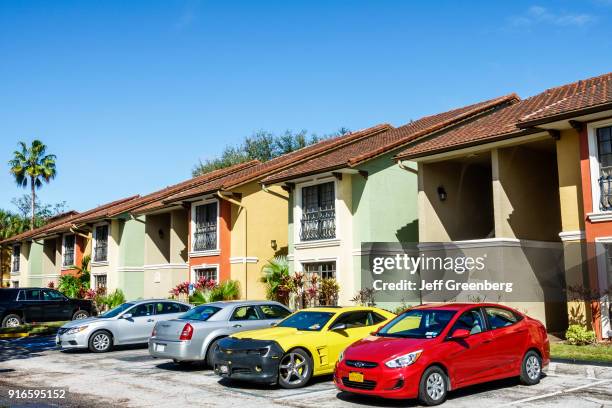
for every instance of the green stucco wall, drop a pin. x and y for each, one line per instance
(35, 264)
(132, 284)
(131, 257)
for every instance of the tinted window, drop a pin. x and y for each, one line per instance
(32, 294)
(376, 318)
(116, 311)
(355, 319)
(274, 311)
(52, 295)
(168, 307)
(245, 313)
(500, 317)
(7, 295)
(471, 321)
(203, 313)
(146, 309)
(310, 321)
(418, 323)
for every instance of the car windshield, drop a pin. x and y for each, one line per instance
(418, 323)
(202, 313)
(310, 321)
(116, 311)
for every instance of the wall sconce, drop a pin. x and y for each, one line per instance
(273, 244)
(442, 193)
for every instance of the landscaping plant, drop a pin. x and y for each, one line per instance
(579, 336)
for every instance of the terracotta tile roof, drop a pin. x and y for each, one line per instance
(55, 221)
(507, 122)
(352, 154)
(262, 170)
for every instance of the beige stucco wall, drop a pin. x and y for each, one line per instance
(110, 266)
(570, 185)
(157, 239)
(179, 231)
(158, 281)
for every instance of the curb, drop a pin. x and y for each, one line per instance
(580, 362)
(13, 335)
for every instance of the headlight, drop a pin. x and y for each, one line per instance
(76, 330)
(405, 360)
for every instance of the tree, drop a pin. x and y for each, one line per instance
(31, 165)
(43, 210)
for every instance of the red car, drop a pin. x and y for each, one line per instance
(431, 349)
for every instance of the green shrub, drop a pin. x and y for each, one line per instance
(579, 335)
(228, 290)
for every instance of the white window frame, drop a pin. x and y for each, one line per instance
(64, 251)
(594, 167)
(192, 225)
(13, 258)
(95, 281)
(204, 266)
(94, 242)
(303, 264)
(297, 209)
(602, 279)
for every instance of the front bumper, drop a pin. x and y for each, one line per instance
(247, 360)
(72, 341)
(381, 381)
(185, 350)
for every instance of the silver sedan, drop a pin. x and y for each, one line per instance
(129, 323)
(193, 336)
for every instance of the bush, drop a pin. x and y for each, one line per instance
(228, 290)
(579, 335)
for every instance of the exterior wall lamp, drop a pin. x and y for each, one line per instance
(442, 193)
(273, 244)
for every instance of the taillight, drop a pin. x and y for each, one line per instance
(187, 332)
(154, 333)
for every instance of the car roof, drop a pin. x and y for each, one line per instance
(338, 309)
(457, 306)
(244, 302)
(139, 301)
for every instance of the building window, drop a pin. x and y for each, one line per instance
(208, 273)
(15, 284)
(16, 258)
(205, 227)
(325, 270)
(100, 281)
(101, 243)
(604, 152)
(318, 212)
(68, 250)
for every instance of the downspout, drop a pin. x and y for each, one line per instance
(246, 275)
(407, 168)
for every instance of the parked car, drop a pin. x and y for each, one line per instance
(193, 336)
(306, 343)
(28, 305)
(428, 350)
(129, 323)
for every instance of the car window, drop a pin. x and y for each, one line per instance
(8, 295)
(309, 321)
(375, 318)
(471, 321)
(32, 294)
(146, 309)
(245, 313)
(354, 320)
(274, 311)
(183, 307)
(498, 317)
(202, 313)
(52, 295)
(168, 307)
(418, 323)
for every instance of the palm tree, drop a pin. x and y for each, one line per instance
(33, 165)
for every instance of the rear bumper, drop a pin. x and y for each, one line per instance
(247, 360)
(175, 350)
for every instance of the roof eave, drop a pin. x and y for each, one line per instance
(565, 115)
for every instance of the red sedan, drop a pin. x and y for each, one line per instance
(431, 349)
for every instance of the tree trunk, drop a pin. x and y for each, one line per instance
(33, 199)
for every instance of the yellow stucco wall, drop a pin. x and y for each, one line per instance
(265, 219)
(570, 186)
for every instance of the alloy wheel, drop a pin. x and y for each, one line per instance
(435, 386)
(532, 366)
(12, 322)
(80, 315)
(101, 341)
(293, 368)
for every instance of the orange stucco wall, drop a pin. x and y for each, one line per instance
(79, 249)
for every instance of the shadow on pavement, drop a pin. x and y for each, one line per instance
(26, 347)
(230, 383)
(182, 367)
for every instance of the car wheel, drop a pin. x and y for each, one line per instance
(101, 342)
(295, 369)
(531, 368)
(433, 386)
(80, 314)
(11, 320)
(210, 352)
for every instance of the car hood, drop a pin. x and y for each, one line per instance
(83, 322)
(377, 347)
(272, 333)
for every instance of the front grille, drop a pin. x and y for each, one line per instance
(241, 370)
(361, 364)
(365, 385)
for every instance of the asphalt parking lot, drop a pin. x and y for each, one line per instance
(129, 377)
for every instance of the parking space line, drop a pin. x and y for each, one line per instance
(309, 393)
(552, 394)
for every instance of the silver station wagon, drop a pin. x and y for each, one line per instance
(129, 323)
(193, 336)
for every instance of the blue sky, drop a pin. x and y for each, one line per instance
(130, 95)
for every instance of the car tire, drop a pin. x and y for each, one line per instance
(80, 314)
(210, 352)
(11, 320)
(531, 368)
(295, 369)
(100, 341)
(433, 386)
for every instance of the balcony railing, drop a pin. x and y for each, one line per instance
(605, 187)
(205, 237)
(15, 265)
(100, 253)
(69, 258)
(318, 224)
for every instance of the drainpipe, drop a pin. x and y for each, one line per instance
(407, 168)
(246, 275)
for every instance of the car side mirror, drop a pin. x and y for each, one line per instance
(375, 332)
(460, 334)
(126, 316)
(338, 327)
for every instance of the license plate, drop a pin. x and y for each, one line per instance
(160, 347)
(223, 369)
(356, 377)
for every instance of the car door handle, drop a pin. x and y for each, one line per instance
(150, 320)
(237, 325)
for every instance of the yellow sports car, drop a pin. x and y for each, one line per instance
(306, 343)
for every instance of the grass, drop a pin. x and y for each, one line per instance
(34, 329)
(597, 353)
